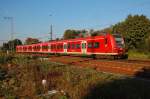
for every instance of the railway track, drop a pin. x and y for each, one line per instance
(139, 68)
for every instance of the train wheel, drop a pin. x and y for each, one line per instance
(115, 57)
(93, 56)
(124, 56)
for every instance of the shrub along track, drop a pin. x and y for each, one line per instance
(139, 68)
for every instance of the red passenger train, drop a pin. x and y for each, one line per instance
(105, 44)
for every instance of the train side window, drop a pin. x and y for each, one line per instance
(42, 47)
(25, 48)
(77, 46)
(52, 47)
(61, 46)
(58, 46)
(90, 45)
(45, 47)
(38, 47)
(30, 48)
(72, 46)
(96, 45)
(68, 46)
(33, 47)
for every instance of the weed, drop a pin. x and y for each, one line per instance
(4, 58)
(20, 60)
(3, 73)
(77, 83)
(134, 54)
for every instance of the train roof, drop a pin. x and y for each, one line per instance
(100, 36)
(81, 38)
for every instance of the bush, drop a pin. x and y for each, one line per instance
(4, 58)
(20, 60)
(10, 97)
(2, 73)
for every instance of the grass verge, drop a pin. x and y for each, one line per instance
(133, 54)
(24, 76)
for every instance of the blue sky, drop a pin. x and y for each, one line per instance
(32, 17)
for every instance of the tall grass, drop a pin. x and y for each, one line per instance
(86, 83)
(134, 54)
(4, 58)
(77, 83)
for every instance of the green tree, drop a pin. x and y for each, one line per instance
(5, 46)
(11, 45)
(147, 43)
(95, 33)
(29, 41)
(107, 30)
(68, 34)
(71, 34)
(135, 29)
(99, 32)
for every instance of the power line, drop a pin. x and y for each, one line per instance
(3, 40)
(51, 32)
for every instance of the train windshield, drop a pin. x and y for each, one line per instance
(119, 41)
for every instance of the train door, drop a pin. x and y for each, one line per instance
(65, 47)
(49, 47)
(84, 48)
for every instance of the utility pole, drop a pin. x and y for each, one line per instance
(12, 30)
(51, 32)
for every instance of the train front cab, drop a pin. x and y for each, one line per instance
(119, 46)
